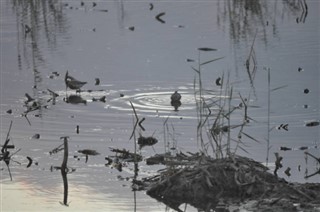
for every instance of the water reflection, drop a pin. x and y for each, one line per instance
(245, 16)
(39, 24)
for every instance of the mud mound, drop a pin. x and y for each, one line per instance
(228, 184)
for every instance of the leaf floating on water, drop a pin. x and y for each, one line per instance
(158, 17)
(35, 136)
(30, 161)
(97, 81)
(287, 171)
(283, 126)
(283, 148)
(312, 123)
(300, 69)
(89, 152)
(102, 11)
(206, 49)
(219, 81)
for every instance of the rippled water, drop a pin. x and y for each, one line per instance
(142, 60)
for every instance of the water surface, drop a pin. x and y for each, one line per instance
(142, 60)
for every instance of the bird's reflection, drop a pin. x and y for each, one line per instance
(175, 100)
(176, 104)
(75, 99)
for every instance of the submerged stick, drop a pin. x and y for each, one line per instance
(4, 147)
(64, 171)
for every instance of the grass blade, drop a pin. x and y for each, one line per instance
(209, 61)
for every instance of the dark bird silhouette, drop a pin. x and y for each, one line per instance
(176, 96)
(73, 83)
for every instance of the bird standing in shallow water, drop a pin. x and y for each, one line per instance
(72, 83)
(176, 96)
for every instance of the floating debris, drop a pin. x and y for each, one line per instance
(146, 141)
(29, 98)
(36, 136)
(287, 171)
(82, 4)
(131, 28)
(283, 126)
(109, 160)
(306, 91)
(94, 4)
(190, 60)
(158, 17)
(300, 69)
(102, 10)
(126, 155)
(27, 29)
(9, 111)
(121, 95)
(206, 49)
(151, 6)
(57, 149)
(312, 123)
(54, 74)
(77, 129)
(88, 152)
(283, 148)
(97, 81)
(219, 81)
(30, 161)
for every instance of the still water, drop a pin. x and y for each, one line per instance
(142, 59)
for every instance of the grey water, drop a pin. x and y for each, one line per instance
(144, 60)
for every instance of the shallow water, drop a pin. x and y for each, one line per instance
(145, 65)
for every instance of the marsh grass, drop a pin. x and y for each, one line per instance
(215, 110)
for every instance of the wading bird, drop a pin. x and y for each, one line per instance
(73, 83)
(176, 96)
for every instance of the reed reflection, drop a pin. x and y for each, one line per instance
(246, 16)
(40, 26)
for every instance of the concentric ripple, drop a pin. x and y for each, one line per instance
(153, 100)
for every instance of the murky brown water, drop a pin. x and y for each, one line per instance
(140, 59)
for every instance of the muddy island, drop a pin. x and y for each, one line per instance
(234, 183)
